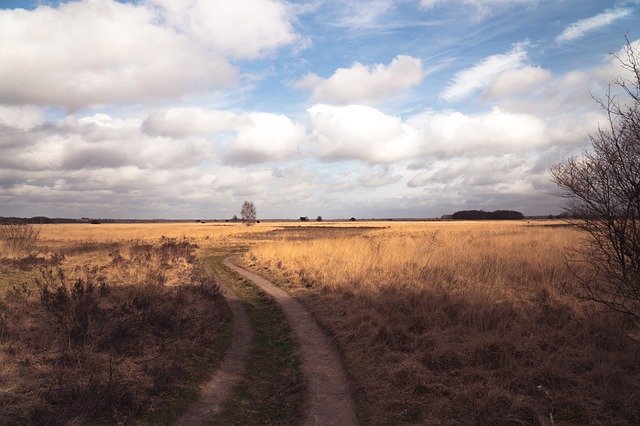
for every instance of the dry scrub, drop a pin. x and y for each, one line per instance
(114, 331)
(463, 323)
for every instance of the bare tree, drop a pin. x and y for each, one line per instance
(248, 213)
(602, 193)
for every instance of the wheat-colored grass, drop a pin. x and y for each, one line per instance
(438, 322)
(461, 322)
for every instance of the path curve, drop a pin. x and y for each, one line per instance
(329, 401)
(219, 388)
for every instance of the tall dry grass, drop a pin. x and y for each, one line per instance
(462, 323)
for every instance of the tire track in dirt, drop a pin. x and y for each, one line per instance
(329, 401)
(219, 388)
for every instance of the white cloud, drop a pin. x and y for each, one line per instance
(451, 134)
(515, 81)
(360, 132)
(472, 79)
(474, 172)
(254, 137)
(94, 52)
(579, 29)
(362, 83)
(264, 137)
(364, 133)
(246, 29)
(184, 121)
(100, 141)
(21, 117)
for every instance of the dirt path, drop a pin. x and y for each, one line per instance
(329, 401)
(218, 389)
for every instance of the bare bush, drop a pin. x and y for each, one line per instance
(602, 189)
(19, 237)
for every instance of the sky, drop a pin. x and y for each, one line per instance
(379, 108)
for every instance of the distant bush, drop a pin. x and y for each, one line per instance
(482, 215)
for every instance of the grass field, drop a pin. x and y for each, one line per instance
(461, 322)
(437, 322)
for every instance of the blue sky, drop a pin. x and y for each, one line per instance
(380, 108)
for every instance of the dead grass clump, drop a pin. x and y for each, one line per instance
(465, 325)
(79, 351)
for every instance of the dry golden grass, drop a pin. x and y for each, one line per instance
(502, 259)
(462, 322)
(438, 322)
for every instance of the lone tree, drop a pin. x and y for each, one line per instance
(248, 213)
(602, 192)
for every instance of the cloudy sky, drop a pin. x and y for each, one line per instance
(376, 108)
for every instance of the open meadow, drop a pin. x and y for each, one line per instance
(435, 322)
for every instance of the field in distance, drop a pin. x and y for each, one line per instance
(454, 322)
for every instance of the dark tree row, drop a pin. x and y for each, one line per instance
(482, 215)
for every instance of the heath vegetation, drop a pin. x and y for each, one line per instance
(463, 323)
(438, 322)
(106, 331)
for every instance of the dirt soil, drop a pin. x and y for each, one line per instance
(329, 400)
(218, 389)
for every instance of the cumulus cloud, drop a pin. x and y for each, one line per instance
(362, 83)
(255, 137)
(264, 137)
(94, 52)
(101, 141)
(364, 133)
(360, 132)
(243, 30)
(184, 121)
(470, 80)
(478, 171)
(451, 134)
(579, 29)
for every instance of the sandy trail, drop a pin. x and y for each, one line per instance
(329, 400)
(219, 388)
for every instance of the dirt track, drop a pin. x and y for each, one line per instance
(219, 388)
(329, 401)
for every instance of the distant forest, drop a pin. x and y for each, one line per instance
(482, 215)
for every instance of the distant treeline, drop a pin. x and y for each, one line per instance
(482, 215)
(44, 219)
(38, 220)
